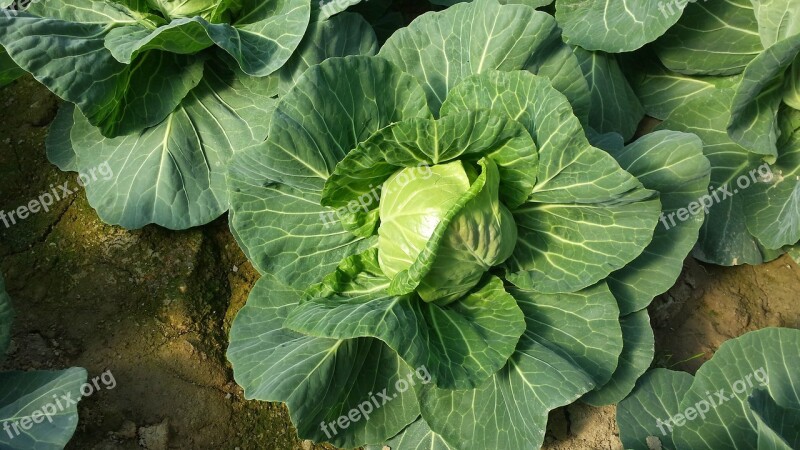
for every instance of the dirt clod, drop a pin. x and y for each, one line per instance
(155, 437)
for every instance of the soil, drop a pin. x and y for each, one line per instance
(154, 307)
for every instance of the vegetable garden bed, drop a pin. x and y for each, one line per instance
(481, 226)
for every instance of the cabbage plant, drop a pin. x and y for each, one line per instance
(436, 234)
(728, 72)
(128, 64)
(745, 396)
(27, 395)
(164, 91)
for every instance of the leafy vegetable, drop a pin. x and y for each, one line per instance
(744, 397)
(743, 113)
(616, 27)
(614, 106)
(754, 110)
(165, 91)
(173, 173)
(84, 51)
(711, 38)
(446, 207)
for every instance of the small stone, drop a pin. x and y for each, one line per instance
(653, 443)
(155, 437)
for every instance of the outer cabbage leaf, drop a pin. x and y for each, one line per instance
(730, 425)
(616, 26)
(729, 389)
(173, 174)
(59, 145)
(753, 123)
(342, 35)
(656, 398)
(614, 106)
(724, 237)
(777, 20)
(552, 58)
(563, 247)
(660, 90)
(112, 14)
(276, 186)
(778, 427)
(440, 49)
(461, 344)
(66, 40)
(571, 344)
(184, 36)
(418, 436)
(586, 216)
(25, 394)
(319, 379)
(772, 204)
(59, 54)
(557, 61)
(712, 38)
(638, 349)
(671, 163)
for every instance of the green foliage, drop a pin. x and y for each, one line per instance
(441, 201)
(744, 397)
